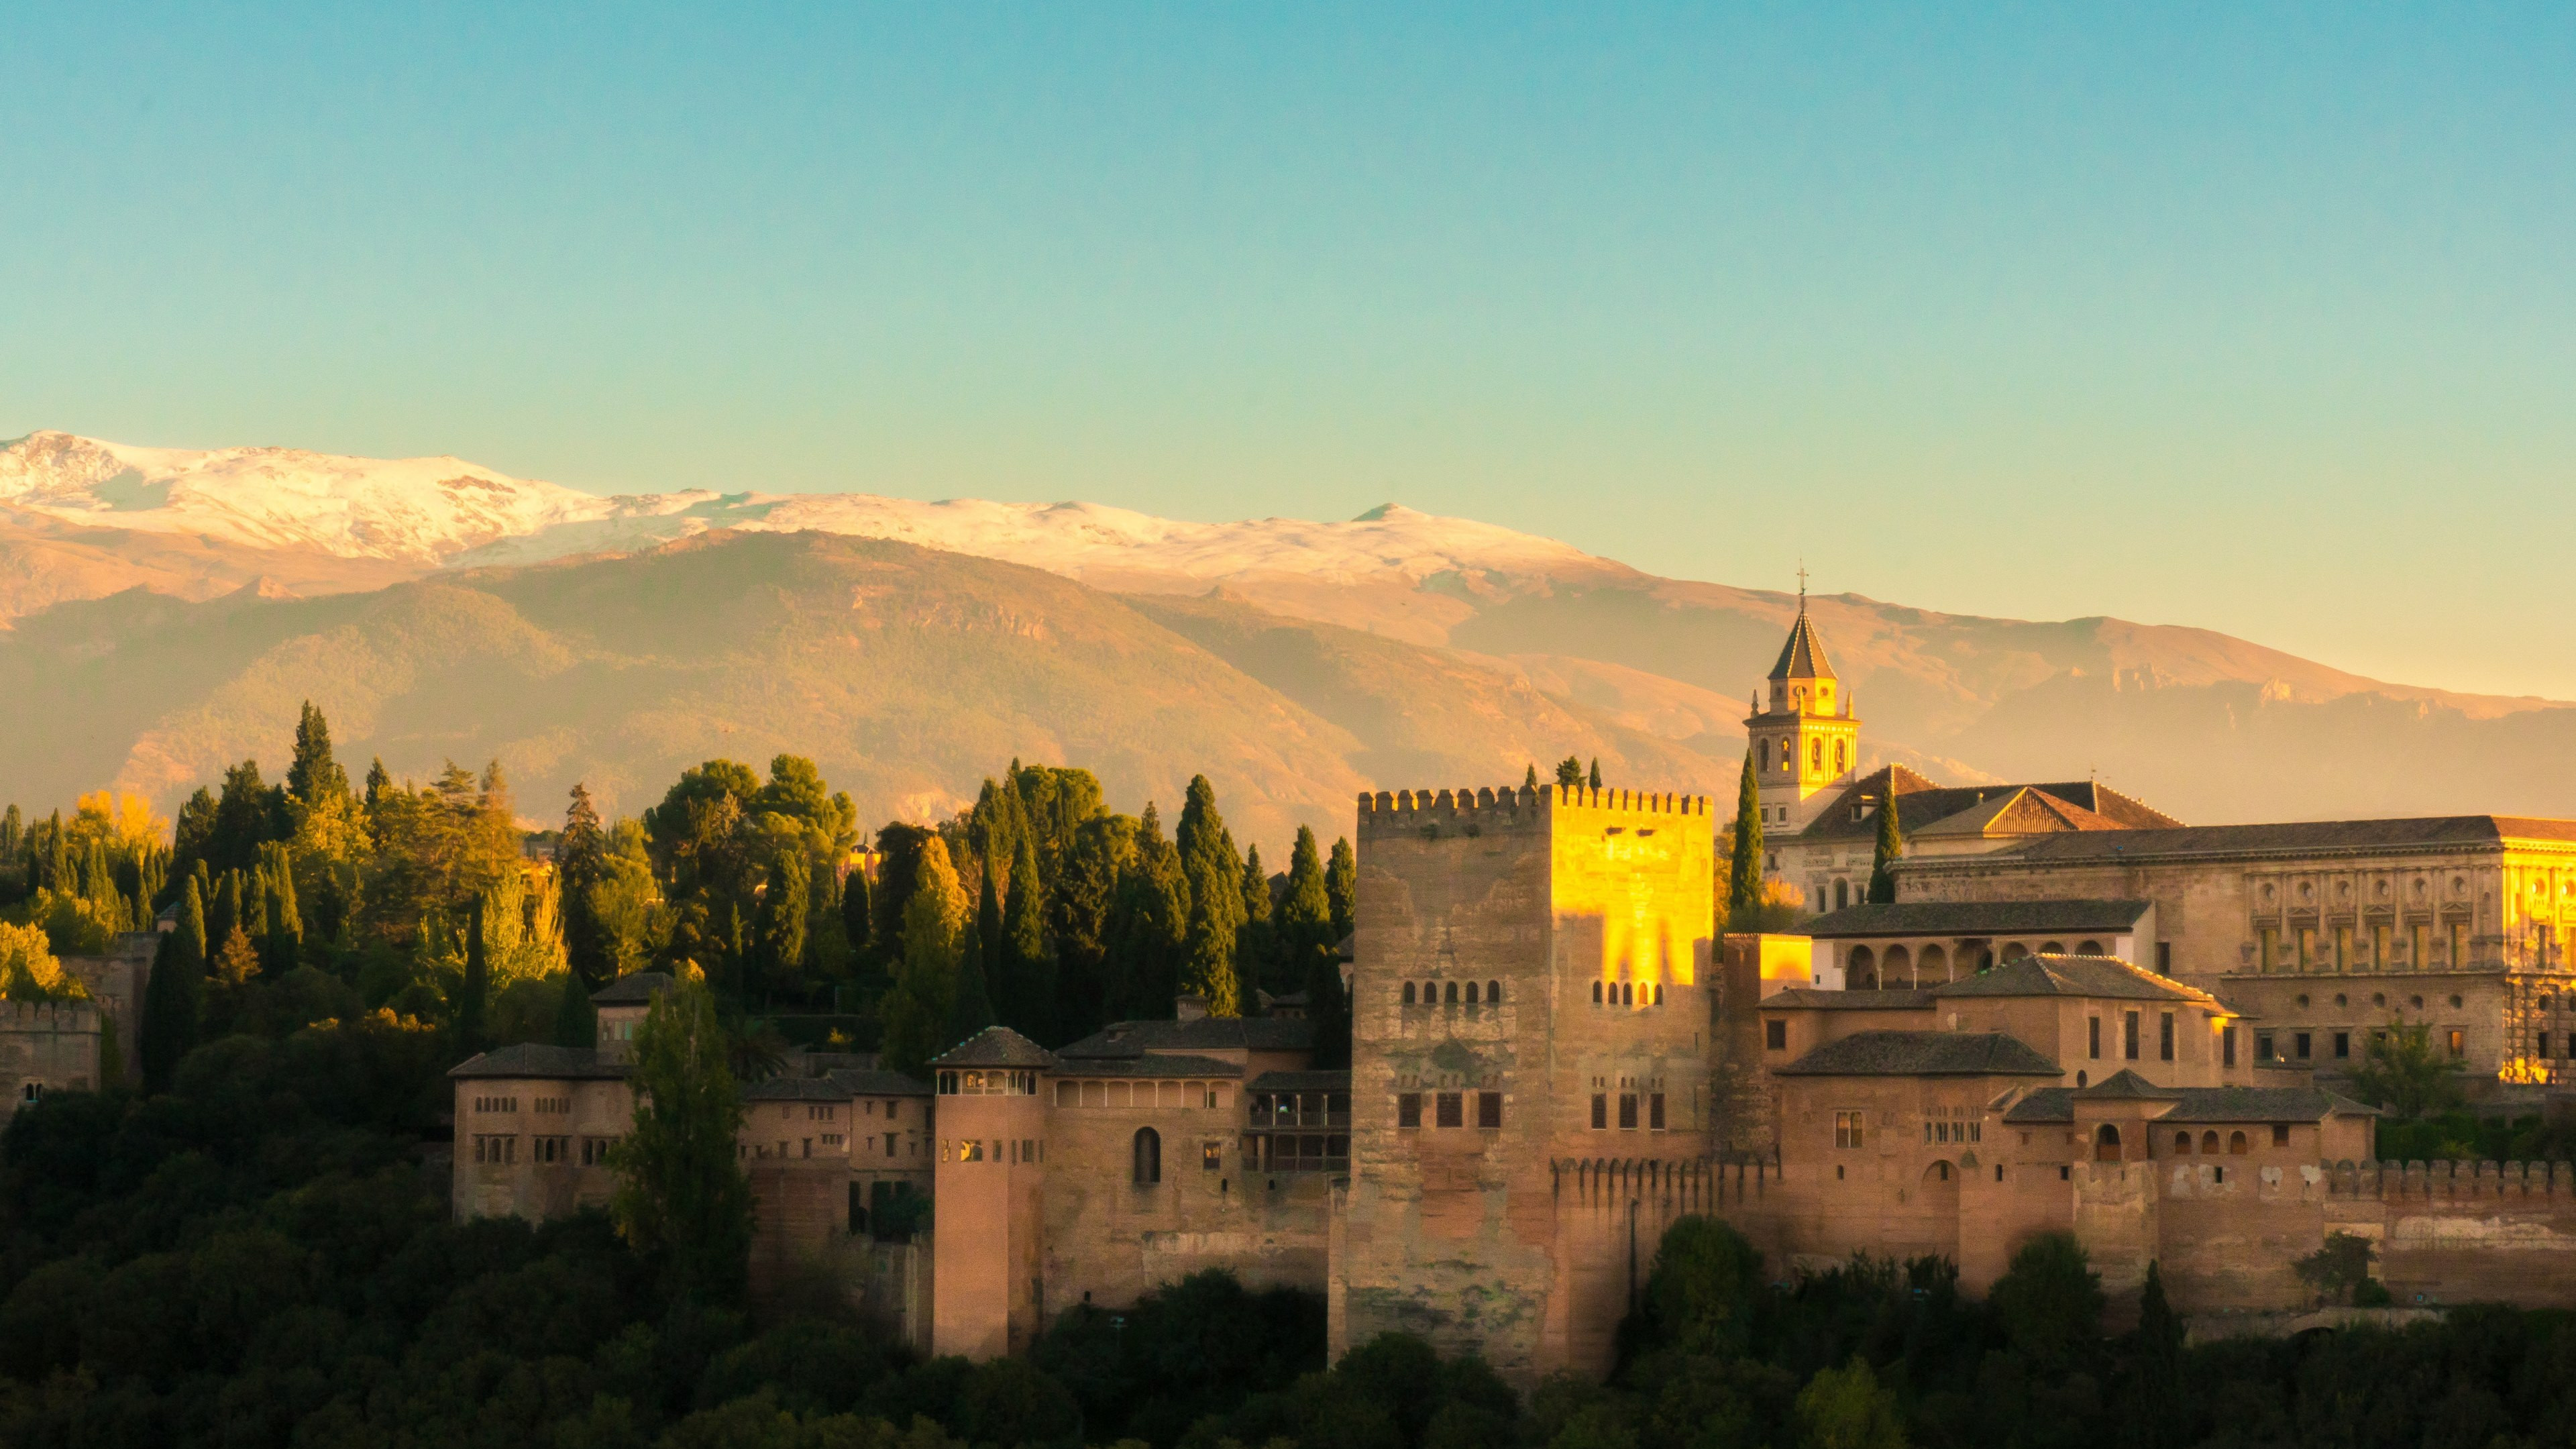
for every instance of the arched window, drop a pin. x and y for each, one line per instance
(1861, 965)
(2209, 1144)
(1471, 993)
(1493, 993)
(1932, 966)
(1659, 993)
(1431, 993)
(2015, 951)
(2089, 948)
(2236, 1144)
(1839, 757)
(2106, 1144)
(1453, 993)
(2053, 948)
(1149, 1157)
(1899, 966)
(1627, 993)
(1842, 894)
(1408, 993)
(1596, 993)
(1815, 754)
(2182, 1144)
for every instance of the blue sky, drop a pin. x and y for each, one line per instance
(2262, 319)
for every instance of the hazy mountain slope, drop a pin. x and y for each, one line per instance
(908, 674)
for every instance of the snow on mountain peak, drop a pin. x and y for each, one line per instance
(445, 512)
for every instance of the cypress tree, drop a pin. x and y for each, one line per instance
(1305, 922)
(856, 912)
(1891, 845)
(1215, 875)
(1148, 926)
(973, 1008)
(581, 856)
(1342, 888)
(478, 982)
(285, 925)
(1530, 780)
(576, 1020)
(315, 775)
(1256, 950)
(1744, 866)
(1028, 1001)
(1596, 772)
(192, 923)
(227, 917)
(1329, 1008)
(681, 1193)
(979, 973)
(162, 1043)
(779, 930)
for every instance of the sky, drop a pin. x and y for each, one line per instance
(2261, 319)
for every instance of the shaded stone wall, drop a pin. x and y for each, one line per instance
(522, 1186)
(49, 1045)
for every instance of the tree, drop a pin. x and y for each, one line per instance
(2338, 1269)
(1529, 780)
(174, 996)
(1149, 926)
(1328, 1006)
(2153, 1411)
(315, 776)
(237, 961)
(779, 924)
(681, 1194)
(2049, 1302)
(1847, 1408)
(916, 1012)
(576, 1020)
(1256, 945)
(856, 911)
(1891, 845)
(472, 999)
(1569, 772)
(1024, 988)
(1342, 887)
(581, 858)
(1215, 876)
(1704, 1290)
(1744, 861)
(246, 818)
(283, 948)
(973, 1007)
(2402, 1071)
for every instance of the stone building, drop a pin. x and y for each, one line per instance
(2327, 931)
(1925, 943)
(46, 1046)
(1820, 811)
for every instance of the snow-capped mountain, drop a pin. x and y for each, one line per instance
(445, 512)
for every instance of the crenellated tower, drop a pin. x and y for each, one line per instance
(1806, 743)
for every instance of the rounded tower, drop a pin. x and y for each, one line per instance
(1806, 742)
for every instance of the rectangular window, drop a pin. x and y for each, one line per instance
(2271, 949)
(1846, 1129)
(1408, 1109)
(2379, 946)
(1600, 1111)
(1211, 1156)
(2164, 967)
(2342, 1045)
(2459, 945)
(2343, 948)
(2165, 1038)
(2459, 1044)
(1655, 1111)
(2262, 1046)
(2227, 1046)
(2299, 1045)
(2129, 1034)
(2307, 948)
(1452, 1110)
(1489, 1109)
(1775, 1035)
(2093, 1037)
(1627, 1111)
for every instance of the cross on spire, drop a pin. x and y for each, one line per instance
(1802, 585)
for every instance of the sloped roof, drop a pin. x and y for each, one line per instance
(1160, 1065)
(1208, 1033)
(795, 1089)
(874, 1082)
(2306, 837)
(2017, 810)
(637, 988)
(1816, 998)
(542, 1062)
(1803, 656)
(2085, 805)
(2126, 1085)
(2202, 1105)
(1976, 918)
(2103, 976)
(1301, 1082)
(995, 1046)
(1922, 1054)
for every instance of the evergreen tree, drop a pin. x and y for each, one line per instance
(194, 835)
(576, 1020)
(972, 1008)
(681, 1195)
(1328, 1006)
(1744, 862)
(168, 1025)
(1342, 888)
(379, 782)
(227, 919)
(1215, 876)
(246, 818)
(917, 1011)
(856, 911)
(1569, 772)
(238, 960)
(471, 998)
(314, 776)
(1025, 988)
(1305, 922)
(1891, 844)
(284, 948)
(1149, 926)
(1530, 780)
(2152, 1410)
(581, 859)
(1596, 772)
(779, 930)
(1256, 948)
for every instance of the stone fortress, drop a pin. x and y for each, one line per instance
(2079, 1014)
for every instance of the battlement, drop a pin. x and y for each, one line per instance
(2450, 1180)
(1512, 805)
(54, 1016)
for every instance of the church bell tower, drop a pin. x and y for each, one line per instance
(1806, 743)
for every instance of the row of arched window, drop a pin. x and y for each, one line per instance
(1788, 756)
(1627, 993)
(1431, 994)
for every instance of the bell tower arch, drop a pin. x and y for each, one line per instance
(1805, 736)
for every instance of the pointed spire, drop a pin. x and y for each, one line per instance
(1803, 657)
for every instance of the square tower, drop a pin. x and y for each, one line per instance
(1531, 1001)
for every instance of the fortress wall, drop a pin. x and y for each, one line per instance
(2232, 1228)
(2462, 1231)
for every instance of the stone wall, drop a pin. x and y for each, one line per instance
(519, 1184)
(46, 1046)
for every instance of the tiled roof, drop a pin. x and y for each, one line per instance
(1922, 1054)
(634, 989)
(2203, 1105)
(1812, 998)
(1975, 918)
(1803, 656)
(2016, 810)
(1301, 1082)
(541, 1062)
(1159, 1065)
(2089, 806)
(2104, 976)
(795, 1089)
(2291, 838)
(871, 1082)
(1210, 1033)
(995, 1046)
(2127, 1085)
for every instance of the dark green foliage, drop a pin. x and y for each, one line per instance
(2404, 1072)
(972, 1008)
(857, 914)
(1342, 887)
(581, 858)
(1256, 944)
(576, 1020)
(1704, 1291)
(1025, 986)
(1891, 846)
(2339, 1268)
(1594, 780)
(1744, 856)
(1149, 927)
(1569, 772)
(2049, 1301)
(778, 925)
(315, 776)
(1214, 874)
(681, 1195)
(473, 1000)
(1190, 1349)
